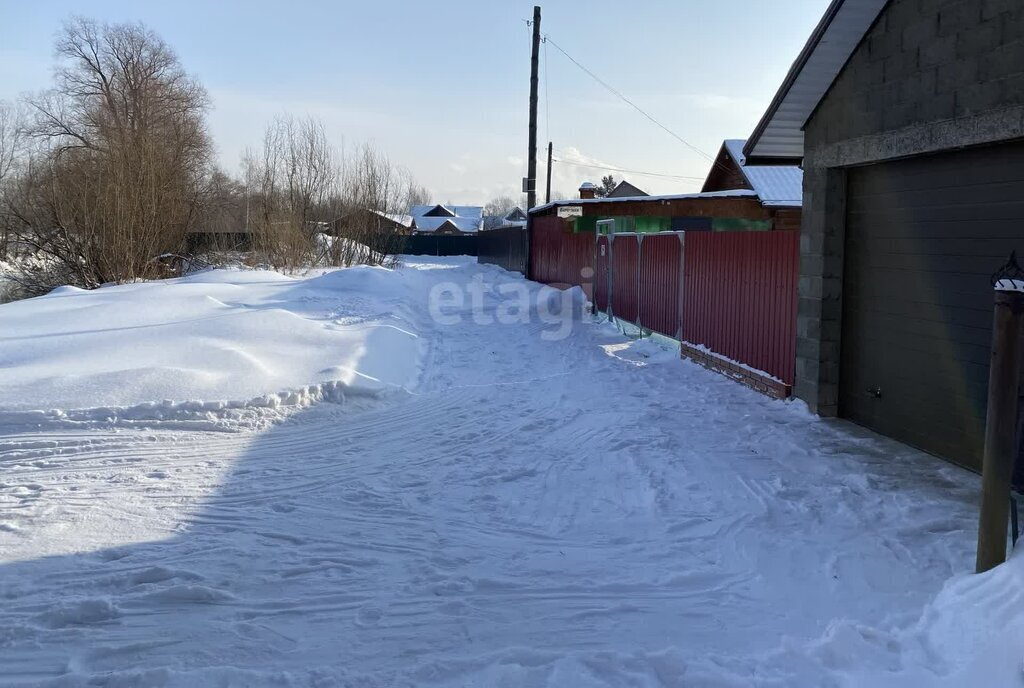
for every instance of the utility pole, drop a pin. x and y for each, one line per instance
(531, 170)
(547, 196)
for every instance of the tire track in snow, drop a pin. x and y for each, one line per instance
(605, 511)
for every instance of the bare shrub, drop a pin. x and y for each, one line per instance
(12, 138)
(118, 160)
(496, 209)
(376, 197)
(309, 206)
(291, 182)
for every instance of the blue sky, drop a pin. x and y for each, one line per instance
(442, 87)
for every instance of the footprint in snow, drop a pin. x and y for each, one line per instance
(369, 616)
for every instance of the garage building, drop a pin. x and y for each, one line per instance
(908, 119)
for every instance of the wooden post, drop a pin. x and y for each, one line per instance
(1000, 429)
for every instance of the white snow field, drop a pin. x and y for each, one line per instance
(352, 487)
(158, 349)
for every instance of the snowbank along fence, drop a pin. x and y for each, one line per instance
(729, 297)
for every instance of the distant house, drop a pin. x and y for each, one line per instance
(735, 197)
(365, 219)
(626, 190)
(735, 209)
(513, 218)
(778, 186)
(444, 219)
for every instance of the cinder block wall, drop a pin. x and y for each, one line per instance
(930, 75)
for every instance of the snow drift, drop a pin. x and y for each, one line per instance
(217, 339)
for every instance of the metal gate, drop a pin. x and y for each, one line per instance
(602, 273)
(625, 274)
(638, 278)
(661, 283)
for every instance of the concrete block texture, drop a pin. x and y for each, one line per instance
(931, 75)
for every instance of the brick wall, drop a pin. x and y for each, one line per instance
(929, 75)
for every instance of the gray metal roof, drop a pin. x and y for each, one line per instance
(780, 134)
(776, 185)
(624, 188)
(467, 218)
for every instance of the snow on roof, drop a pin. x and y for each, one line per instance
(404, 220)
(731, 193)
(467, 211)
(588, 185)
(432, 224)
(776, 185)
(467, 218)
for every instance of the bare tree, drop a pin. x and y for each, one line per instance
(222, 216)
(499, 206)
(11, 135)
(496, 209)
(376, 198)
(120, 156)
(309, 206)
(11, 139)
(292, 183)
(418, 195)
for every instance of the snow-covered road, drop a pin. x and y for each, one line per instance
(587, 511)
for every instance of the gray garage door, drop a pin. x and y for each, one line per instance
(923, 237)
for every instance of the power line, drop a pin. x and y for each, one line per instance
(620, 169)
(629, 102)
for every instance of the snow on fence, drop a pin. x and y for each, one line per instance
(740, 297)
(504, 247)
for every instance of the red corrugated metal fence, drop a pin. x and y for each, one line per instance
(625, 265)
(545, 249)
(732, 292)
(740, 294)
(660, 283)
(558, 256)
(601, 274)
